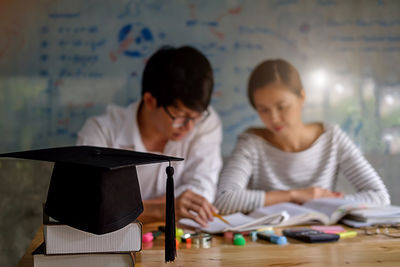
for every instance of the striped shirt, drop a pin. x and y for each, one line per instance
(256, 167)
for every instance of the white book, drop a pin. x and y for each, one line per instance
(385, 214)
(82, 260)
(63, 239)
(239, 222)
(323, 210)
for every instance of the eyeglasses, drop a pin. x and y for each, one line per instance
(390, 230)
(180, 121)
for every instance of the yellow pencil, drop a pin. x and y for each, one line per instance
(221, 218)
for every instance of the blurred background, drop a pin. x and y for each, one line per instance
(64, 61)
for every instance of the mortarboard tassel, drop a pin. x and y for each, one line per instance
(170, 243)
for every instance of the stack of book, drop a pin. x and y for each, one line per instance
(377, 215)
(67, 246)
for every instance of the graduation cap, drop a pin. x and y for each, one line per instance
(96, 189)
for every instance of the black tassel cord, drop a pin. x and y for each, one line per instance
(170, 243)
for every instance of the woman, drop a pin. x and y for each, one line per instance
(289, 160)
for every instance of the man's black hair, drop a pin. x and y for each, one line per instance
(183, 74)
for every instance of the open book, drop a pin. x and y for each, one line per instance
(323, 210)
(239, 222)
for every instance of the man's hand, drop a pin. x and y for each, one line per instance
(301, 196)
(193, 206)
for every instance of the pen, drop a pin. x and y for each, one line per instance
(221, 218)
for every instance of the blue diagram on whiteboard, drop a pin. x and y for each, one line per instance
(134, 41)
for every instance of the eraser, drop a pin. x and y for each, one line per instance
(147, 237)
(228, 235)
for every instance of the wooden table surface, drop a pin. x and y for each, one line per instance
(359, 251)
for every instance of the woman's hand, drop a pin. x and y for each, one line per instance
(194, 206)
(303, 195)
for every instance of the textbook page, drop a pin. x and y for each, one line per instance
(323, 210)
(334, 208)
(217, 225)
(297, 214)
(239, 222)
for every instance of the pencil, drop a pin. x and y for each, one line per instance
(221, 218)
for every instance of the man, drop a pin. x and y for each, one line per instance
(173, 117)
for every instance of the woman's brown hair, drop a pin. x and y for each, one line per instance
(275, 70)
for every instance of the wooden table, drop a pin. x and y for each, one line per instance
(359, 251)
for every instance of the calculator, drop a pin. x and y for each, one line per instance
(310, 235)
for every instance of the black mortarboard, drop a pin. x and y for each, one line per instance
(96, 189)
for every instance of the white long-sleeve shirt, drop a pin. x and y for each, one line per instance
(256, 167)
(118, 128)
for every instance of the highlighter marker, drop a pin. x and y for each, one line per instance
(156, 233)
(253, 235)
(275, 239)
(267, 228)
(347, 234)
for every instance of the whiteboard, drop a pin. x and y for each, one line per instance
(64, 61)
